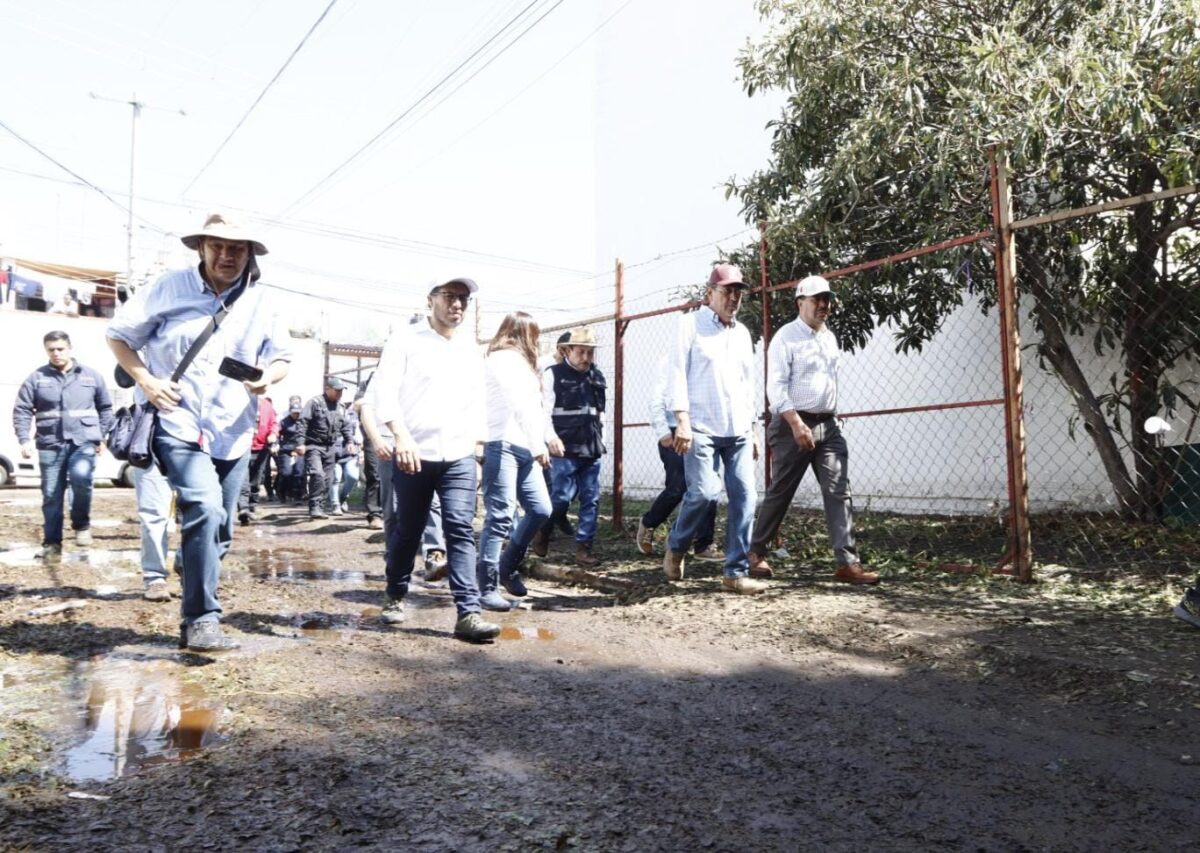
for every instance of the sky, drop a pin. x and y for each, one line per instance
(379, 146)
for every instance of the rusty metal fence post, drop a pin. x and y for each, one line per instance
(1020, 554)
(619, 326)
(765, 285)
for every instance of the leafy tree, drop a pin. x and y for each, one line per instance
(881, 146)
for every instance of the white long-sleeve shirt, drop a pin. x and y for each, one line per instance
(711, 374)
(514, 402)
(802, 369)
(662, 419)
(433, 386)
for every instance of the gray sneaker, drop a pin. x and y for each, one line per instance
(208, 637)
(156, 591)
(474, 628)
(52, 552)
(83, 538)
(393, 611)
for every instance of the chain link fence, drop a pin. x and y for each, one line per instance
(1109, 313)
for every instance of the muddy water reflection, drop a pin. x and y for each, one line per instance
(294, 564)
(516, 632)
(136, 713)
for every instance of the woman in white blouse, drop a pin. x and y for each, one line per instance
(513, 458)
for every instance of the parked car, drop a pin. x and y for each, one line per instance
(16, 471)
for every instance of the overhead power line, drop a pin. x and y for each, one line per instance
(512, 22)
(80, 178)
(261, 94)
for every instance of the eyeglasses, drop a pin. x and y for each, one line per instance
(451, 297)
(730, 292)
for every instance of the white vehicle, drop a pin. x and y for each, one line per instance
(17, 471)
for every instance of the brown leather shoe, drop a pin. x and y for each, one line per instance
(583, 555)
(759, 568)
(541, 543)
(673, 564)
(743, 585)
(856, 574)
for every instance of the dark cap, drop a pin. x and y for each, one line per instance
(334, 383)
(295, 407)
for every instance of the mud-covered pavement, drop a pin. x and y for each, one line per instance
(934, 711)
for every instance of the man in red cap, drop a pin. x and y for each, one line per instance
(710, 387)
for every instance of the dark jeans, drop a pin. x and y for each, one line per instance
(208, 490)
(672, 494)
(66, 463)
(290, 483)
(260, 462)
(319, 462)
(372, 487)
(454, 484)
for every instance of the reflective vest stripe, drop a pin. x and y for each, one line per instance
(586, 410)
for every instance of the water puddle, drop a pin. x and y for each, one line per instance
(116, 713)
(282, 564)
(137, 714)
(520, 632)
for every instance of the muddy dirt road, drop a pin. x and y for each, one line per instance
(932, 712)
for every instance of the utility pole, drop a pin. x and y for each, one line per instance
(137, 107)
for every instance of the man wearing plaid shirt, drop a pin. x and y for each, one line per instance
(710, 387)
(802, 385)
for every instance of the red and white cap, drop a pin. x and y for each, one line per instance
(725, 274)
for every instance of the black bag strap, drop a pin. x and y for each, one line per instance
(213, 324)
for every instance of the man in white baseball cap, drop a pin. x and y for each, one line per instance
(802, 387)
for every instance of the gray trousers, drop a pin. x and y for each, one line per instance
(788, 465)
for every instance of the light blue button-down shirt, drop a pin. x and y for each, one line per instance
(711, 374)
(162, 320)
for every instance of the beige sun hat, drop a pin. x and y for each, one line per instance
(225, 228)
(581, 336)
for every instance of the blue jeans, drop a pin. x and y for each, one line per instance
(345, 478)
(208, 490)
(702, 468)
(67, 462)
(154, 515)
(509, 476)
(432, 538)
(454, 484)
(577, 477)
(672, 494)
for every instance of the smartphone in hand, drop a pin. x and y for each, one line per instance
(239, 370)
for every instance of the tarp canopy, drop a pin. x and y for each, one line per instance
(66, 271)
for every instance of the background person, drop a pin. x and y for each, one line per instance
(155, 514)
(322, 424)
(289, 485)
(262, 445)
(205, 420)
(513, 458)
(574, 400)
(802, 387)
(663, 423)
(71, 410)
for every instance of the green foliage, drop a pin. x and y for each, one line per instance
(881, 147)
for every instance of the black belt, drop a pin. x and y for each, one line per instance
(814, 418)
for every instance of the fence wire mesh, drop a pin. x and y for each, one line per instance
(1112, 307)
(1109, 321)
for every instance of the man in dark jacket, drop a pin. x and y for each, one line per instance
(574, 398)
(72, 410)
(321, 423)
(290, 483)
